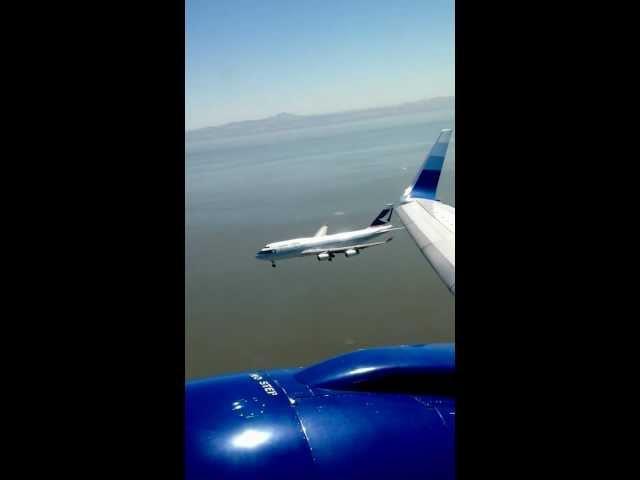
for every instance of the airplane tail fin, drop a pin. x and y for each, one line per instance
(426, 181)
(379, 220)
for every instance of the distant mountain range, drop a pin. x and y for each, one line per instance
(288, 121)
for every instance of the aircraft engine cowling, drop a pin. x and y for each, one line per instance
(247, 426)
(351, 252)
(323, 256)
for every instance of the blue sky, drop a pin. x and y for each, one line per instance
(249, 59)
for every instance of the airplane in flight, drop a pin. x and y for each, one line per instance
(325, 247)
(400, 400)
(430, 222)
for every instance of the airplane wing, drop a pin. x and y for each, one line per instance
(322, 231)
(316, 251)
(430, 222)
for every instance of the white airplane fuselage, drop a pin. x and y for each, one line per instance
(296, 246)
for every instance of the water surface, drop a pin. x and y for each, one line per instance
(247, 191)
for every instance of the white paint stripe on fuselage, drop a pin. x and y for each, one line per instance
(294, 247)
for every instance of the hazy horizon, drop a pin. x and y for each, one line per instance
(248, 59)
(359, 86)
(323, 113)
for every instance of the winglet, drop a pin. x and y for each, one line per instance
(322, 231)
(426, 181)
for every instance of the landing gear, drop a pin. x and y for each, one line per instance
(273, 264)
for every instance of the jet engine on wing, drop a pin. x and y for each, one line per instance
(351, 252)
(375, 413)
(323, 256)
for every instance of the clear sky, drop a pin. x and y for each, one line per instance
(249, 59)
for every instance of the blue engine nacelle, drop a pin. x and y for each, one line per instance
(374, 413)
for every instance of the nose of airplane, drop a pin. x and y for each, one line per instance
(265, 254)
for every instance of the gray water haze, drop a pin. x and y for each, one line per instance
(244, 191)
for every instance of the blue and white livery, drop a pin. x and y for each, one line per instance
(325, 247)
(430, 222)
